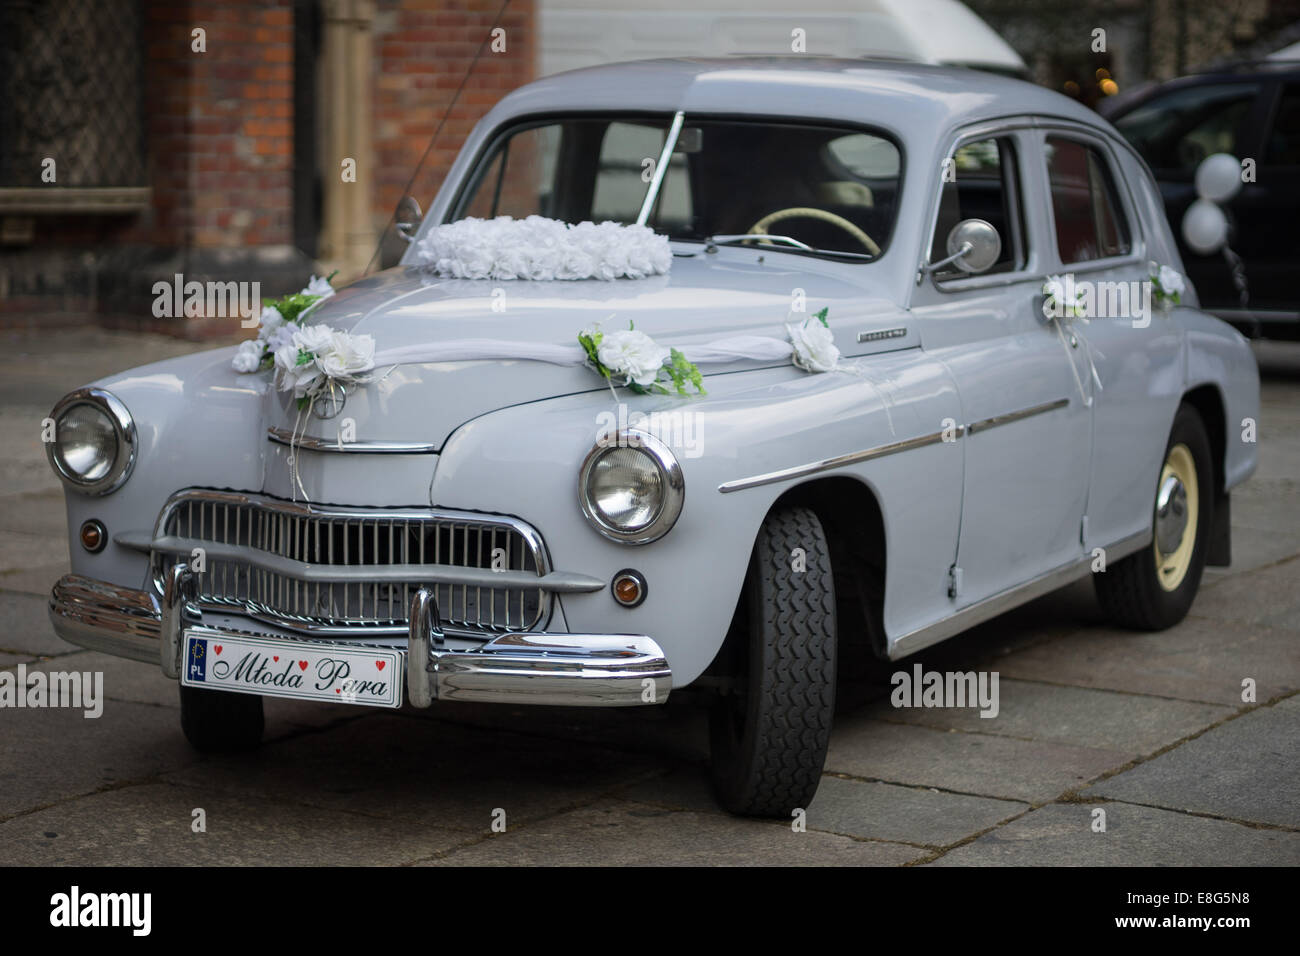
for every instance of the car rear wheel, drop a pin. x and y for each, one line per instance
(771, 728)
(218, 721)
(1154, 589)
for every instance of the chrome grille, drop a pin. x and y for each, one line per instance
(361, 538)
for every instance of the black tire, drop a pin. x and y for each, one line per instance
(218, 721)
(770, 734)
(1130, 591)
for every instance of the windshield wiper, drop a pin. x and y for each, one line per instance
(711, 244)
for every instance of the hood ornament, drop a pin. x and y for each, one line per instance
(331, 401)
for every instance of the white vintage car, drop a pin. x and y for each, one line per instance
(860, 354)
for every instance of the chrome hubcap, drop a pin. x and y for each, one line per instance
(1171, 514)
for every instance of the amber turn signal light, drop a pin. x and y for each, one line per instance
(93, 536)
(629, 587)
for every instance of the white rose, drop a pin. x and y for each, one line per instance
(281, 336)
(633, 355)
(1054, 288)
(270, 321)
(814, 346)
(320, 287)
(313, 338)
(1171, 282)
(347, 355)
(249, 356)
(289, 375)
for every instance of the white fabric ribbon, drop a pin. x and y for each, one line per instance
(734, 349)
(1069, 357)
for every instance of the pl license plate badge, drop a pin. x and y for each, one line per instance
(276, 667)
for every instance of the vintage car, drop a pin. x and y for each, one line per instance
(902, 428)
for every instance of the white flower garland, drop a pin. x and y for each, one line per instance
(543, 249)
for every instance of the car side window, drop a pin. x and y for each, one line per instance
(1283, 148)
(1181, 128)
(1086, 210)
(981, 182)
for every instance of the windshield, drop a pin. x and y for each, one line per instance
(833, 189)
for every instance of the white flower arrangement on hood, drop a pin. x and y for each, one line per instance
(813, 344)
(317, 354)
(543, 249)
(306, 358)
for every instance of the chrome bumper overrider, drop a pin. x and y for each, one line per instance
(533, 667)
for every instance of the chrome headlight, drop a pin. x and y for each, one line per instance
(631, 488)
(94, 441)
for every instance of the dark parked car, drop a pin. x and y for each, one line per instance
(1251, 111)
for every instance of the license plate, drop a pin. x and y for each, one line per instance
(276, 667)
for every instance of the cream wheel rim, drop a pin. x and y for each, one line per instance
(1178, 499)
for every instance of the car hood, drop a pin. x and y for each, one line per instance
(704, 298)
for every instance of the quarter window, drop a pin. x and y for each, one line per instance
(1085, 205)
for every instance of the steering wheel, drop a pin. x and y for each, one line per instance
(807, 212)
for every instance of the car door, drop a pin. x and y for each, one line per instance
(1127, 348)
(1267, 242)
(1026, 427)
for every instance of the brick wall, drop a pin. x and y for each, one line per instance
(219, 150)
(423, 49)
(220, 123)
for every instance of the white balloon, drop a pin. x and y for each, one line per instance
(1205, 227)
(1218, 178)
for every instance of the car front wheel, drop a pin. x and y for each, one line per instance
(1153, 589)
(770, 730)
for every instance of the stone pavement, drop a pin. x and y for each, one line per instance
(1149, 728)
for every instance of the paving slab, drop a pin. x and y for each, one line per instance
(52, 754)
(25, 625)
(887, 811)
(615, 833)
(1246, 769)
(1061, 834)
(1125, 723)
(985, 764)
(36, 512)
(417, 770)
(1267, 596)
(1202, 659)
(37, 579)
(151, 825)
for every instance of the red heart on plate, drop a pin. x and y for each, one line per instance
(276, 657)
(337, 691)
(217, 648)
(380, 664)
(302, 664)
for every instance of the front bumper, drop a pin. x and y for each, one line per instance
(530, 667)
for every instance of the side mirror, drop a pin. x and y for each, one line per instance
(408, 218)
(973, 246)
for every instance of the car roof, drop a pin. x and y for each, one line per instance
(1240, 72)
(900, 96)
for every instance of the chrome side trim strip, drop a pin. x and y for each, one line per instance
(282, 436)
(826, 464)
(1003, 601)
(985, 424)
(813, 467)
